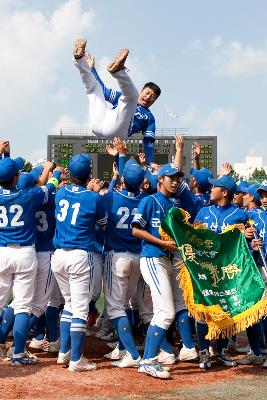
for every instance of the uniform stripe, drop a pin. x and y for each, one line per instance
(152, 274)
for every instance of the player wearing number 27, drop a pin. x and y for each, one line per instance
(78, 210)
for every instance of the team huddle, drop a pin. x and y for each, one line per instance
(66, 237)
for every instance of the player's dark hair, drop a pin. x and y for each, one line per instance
(130, 188)
(8, 184)
(79, 181)
(153, 86)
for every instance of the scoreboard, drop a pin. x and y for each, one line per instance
(60, 148)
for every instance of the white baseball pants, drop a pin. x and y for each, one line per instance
(109, 122)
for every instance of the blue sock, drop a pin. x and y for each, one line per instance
(254, 337)
(123, 328)
(202, 331)
(6, 324)
(33, 323)
(165, 345)
(40, 329)
(51, 315)
(184, 325)
(65, 322)
(21, 330)
(133, 317)
(148, 336)
(156, 336)
(221, 344)
(77, 333)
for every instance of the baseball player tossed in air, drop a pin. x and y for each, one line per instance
(77, 211)
(122, 260)
(217, 217)
(18, 262)
(156, 266)
(118, 113)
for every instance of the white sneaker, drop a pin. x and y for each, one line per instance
(187, 354)
(54, 346)
(232, 345)
(166, 358)
(63, 358)
(246, 349)
(264, 365)
(154, 369)
(3, 352)
(83, 364)
(10, 353)
(250, 358)
(42, 344)
(126, 361)
(115, 354)
(211, 351)
(112, 345)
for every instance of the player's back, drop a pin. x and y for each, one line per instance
(77, 212)
(121, 208)
(45, 225)
(17, 209)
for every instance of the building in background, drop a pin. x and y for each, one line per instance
(247, 168)
(73, 141)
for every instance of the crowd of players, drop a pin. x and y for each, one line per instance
(65, 237)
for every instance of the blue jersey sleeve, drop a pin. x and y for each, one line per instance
(111, 95)
(144, 213)
(150, 130)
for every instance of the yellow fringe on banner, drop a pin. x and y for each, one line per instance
(219, 322)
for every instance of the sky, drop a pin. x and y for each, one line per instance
(208, 57)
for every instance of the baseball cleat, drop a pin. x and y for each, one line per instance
(127, 361)
(154, 369)
(22, 359)
(63, 358)
(54, 347)
(264, 365)
(115, 354)
(42, 344)
(204, 359)
(166, 358)
(112, 345)
(118, 63)
(187, 354)
(225, 359)
(82, 364)
(79, 48)
(246, 349)
(250, 358)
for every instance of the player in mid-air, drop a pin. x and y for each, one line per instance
(117, 113)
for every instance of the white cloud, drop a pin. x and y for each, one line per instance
(236, 59)
(65, 121)
(195, 44)
(216, 41)
(62, 95)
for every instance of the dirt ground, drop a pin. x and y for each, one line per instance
(47, 380)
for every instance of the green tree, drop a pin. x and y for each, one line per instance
(258, 175)
(27, 166)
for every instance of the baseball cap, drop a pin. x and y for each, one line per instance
(153, 179)
(37, 171)
(241, 186)
(252, 189)
(133, 175)
(26, 180)
(226, 182)
(168, 170)
(9, 168)
(80, 166)
(202, 177)
(263, 186)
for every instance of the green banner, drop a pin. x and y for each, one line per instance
(221, 282)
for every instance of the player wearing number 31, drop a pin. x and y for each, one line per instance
(78, 210)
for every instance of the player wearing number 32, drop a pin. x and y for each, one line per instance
(122, 261)
(18, 262)
(78, 210)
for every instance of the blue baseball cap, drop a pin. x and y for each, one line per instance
(80, 166)
(202, 177)
(168, 170)
(26, 180)
(263, 186)
(9, 168)
(225, 181)
(37, 171)
(241, 186)
(153, 179)
(133, 175)
(252, 189)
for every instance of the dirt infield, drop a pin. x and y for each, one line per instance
(46, 380)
